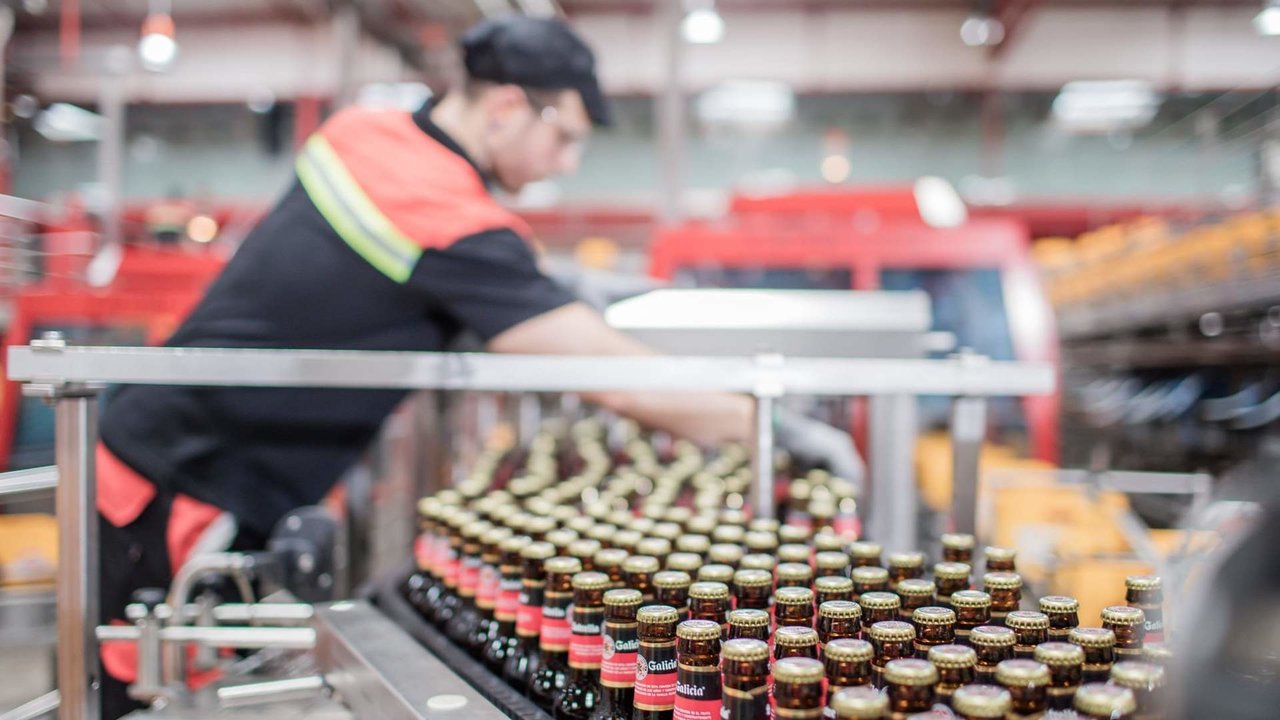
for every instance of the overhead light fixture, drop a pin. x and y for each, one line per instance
(747, 105)
(981, 29)
(1105, 106)
(202, 229)
(835, 169)
(1267, 22)
(63, 122)
(939, 204)
(702, 25)
(158, 47)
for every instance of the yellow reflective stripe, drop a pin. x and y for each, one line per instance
(352, 214)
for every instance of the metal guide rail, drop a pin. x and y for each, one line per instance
(72, 377)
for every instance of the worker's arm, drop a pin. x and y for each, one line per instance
(576, 329)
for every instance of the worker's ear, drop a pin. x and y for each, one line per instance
(503, 102)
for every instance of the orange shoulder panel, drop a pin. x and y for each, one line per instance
(433, 195)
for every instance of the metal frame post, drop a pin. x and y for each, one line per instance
(762, 457)
(892, 519)
(968, 429)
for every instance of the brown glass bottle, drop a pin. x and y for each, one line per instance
(697, 544)
(957, 667)
(934, 626)
(1032, 628)
(1005, 589)
(710, 601)
(1028, 683)
(585, 550)
(994, 645)
(546, 683)
(1128, 624)
(839, 619)
(1066, 667)
(1147, 681)
(794, 535)
(915, 593)
(868, 578)
(795, 641)
(758, 561)
(753, 589)
(793, 553)
(1157, 653)
(698, 682)
(715, 572)
(442, 604)
(671, 587)
(878, 607)
(981, 702)
(858, 703)
(725, 554)
(892, 640)
(609, 561)
(999, 559)
(655, 693)
(847, 662)
(688, 563)
(761, 542)
(1064, 614)
(582, 691)
(910, 686)
(791, 574)
(1099, 701)
(950, 578)
(1099, 645)
(506, 609)
(973, 609)
(638, 572)
(466, 616)
(832, 587)
(864, 554)
(523, 660)
(487, 589)
(797, 688)
(957, 548)
(746, 679)
(905, 566)
(618, 658)
(1146, 592)
(793, 606)
(749, 623)
(831, 563)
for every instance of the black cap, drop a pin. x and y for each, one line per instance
(539, 53)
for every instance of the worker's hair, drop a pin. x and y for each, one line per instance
(472, 89)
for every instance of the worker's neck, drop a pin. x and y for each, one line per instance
(465, 123)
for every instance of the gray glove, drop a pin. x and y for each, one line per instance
(816, 443)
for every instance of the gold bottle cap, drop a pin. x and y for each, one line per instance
(1027, 620)
(562, 538)
(580, 524)
(952, 571)
(473, 530)
(640, 564)
(590, 581)
(627, 538)
(654, 614)
(698, 630)
(828, 542)
(869, 575)
(982, 701)
(999, 554)
(602, 531)
(840, 609)
(793, 596)
(1123, 615)
(584, 548)
(970, 599)
(726, 553)
(797, 670)
(701, 525)
(891, 631)
(684, 561)
(620, 597)
(716, 572)
(864, 550)
(833, 584)
(1058, 654)
(758, 561)
(759, 541)
(540, 525)
(910, 672)
(906, 559)
(957, 541)
(993, 636)
(495, 536)
(728, 534)
(1156, 652)
(848, 650)
(768, 525)
(708, 590)
(745, 650)
(514, 543)
(538, 551)
(693, 544)
(933, 615)
(1143, 582)
(1105, 700)
(860, 703)
(641, 525)
(562, 564)
(792, 553)
(672, 579)
(793, 534)
(830, 562)
(953, 656)
(795, 636)
(668, 531)
(749, 618)
(1022, 673)
(657, 547)
(879, 601)
(794, 572)
(1001, 581)
(1138, 675)
(1059, 604)
(1092, 637)
(610, 557)
(752, 578)
(916, 588)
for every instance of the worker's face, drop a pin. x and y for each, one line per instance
(536, 137)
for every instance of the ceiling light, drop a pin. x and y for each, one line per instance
(202, 229)
(62, 122)
(835, 169)
(1267, 22)
(702, 26)
(158, 48)
(981, 30)
(1105, 106)
(939, 204)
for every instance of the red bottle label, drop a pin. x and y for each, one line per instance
(470, 577)
(618, 661)
(451, 567)
(656, 676)
(508, 600)
(487, 589)
(698, 694)
(529, 612)
(586, 646)
(422, 552)
(555, 631)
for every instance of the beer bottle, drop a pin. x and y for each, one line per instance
(582, 691)
(1066, 667)
(993, 645)
(847, 662)
(1064, 614)
(686, 562)
(981, 702)
(627, 540)
(915, 593)
(668, 530)
(797, 689)
(671, 587)
(710, 601)
(658, 548)
(1005, 589)
(642, 525)
(758, 561)
(486, 627)
(562, 539)
(549, 679)
(746, 679)
(761, 542)
(585, 550)
(832, 587)
(793, 574)
(725, 554)
(698, 684)
(794, 534)
(838, 619)
(793, 606)
(831, 563)
(795, 641)
(829, 542)
(878, 607)
(1099, 701)
(1147, 681)
(868, 578)
(696, 544)
(794, 553)
(702, 525)
(728, 534)
(934, 626)
(1157, 653)
(618, 659)
(523, 660)
(506, 608)
(424, 550)
(1031, 628)
(1128, 625)
(764, 525)
(892, 640)
(999, 559)
(715, 572)
(910, 686)
(973, 609)
(1099, 645)
(957, 667)
(957, 548)
(1146, 593)
(1028, 683)
(444, 605)
(638, 572)
(859, 703)
(753, 589)
(603, 533)
(864, 554)
(609, 561)
(751, 623)
(950, 578)
(905, 566)
(655, 694)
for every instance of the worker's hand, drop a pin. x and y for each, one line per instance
(816, 443)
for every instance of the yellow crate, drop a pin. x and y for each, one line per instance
(28, 548)
(1095, 582)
